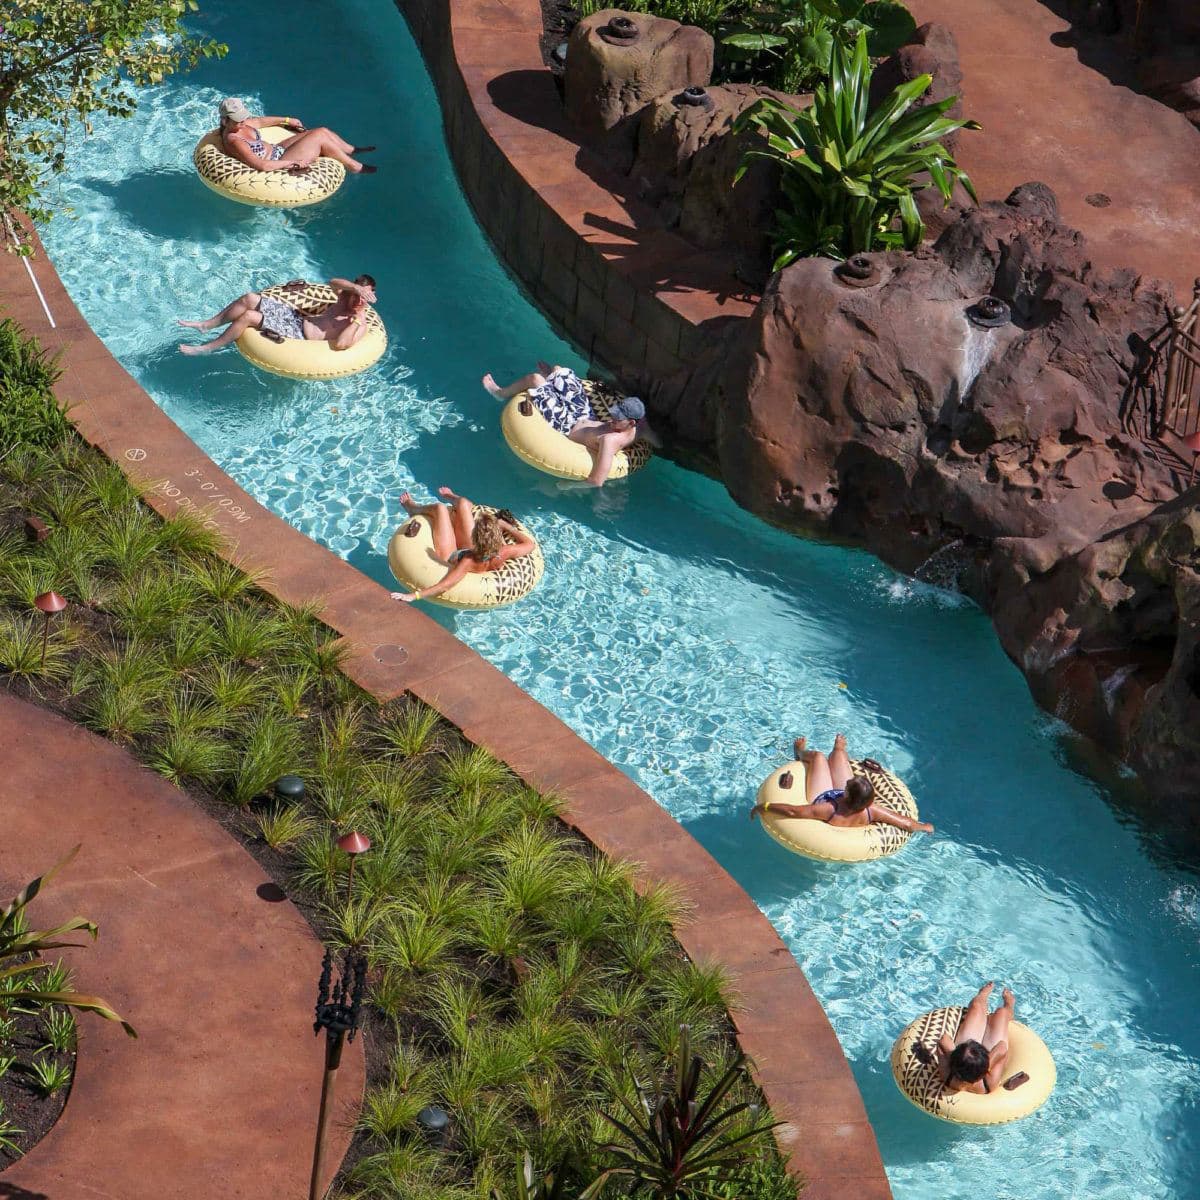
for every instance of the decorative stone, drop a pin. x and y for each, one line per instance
(618, 62)
(880, 415)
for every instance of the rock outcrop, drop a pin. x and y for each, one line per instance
(619, 62)
(882, 402)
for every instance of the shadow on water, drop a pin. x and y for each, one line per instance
(177, 206)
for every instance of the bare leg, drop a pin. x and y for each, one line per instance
(817, 778)
(328, 134)
(320, 143)
(973, 1026)
(462, 517)
(444, 544)
(532, 380)
(998, 1023)
(798, 747)
(230, 312)
(839, 762)
(248, 320)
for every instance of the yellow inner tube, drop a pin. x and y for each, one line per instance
(835, 843)
(534, 440)
(276, 189)
(299, 358)
(413, 562)
(922, 1084)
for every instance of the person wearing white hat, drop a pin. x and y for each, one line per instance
(241, 139)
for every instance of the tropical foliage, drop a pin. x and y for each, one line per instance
(783, 43)
(683, 1138)
(849, 174)
(514, 971)
(66, 61)
(21, 950)
(797, 37)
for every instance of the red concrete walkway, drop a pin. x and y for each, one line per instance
(1048, 116)
(218, 1095)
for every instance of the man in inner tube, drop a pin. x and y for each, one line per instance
(342, 324)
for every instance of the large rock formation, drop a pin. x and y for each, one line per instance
(881, 402)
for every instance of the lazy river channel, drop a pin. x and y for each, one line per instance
(684, 639)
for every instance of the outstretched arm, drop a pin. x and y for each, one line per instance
(287, 122)
(805, 812)
(447, 581)
(885, 816)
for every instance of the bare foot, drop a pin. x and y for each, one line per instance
(798, 747)
(407, 500)
(490, 385)
(447, 493)
(1010, 1001)
(195, 324)
(185, 349)
(839, 743)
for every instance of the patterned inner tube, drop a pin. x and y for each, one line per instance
(921, 1081)
(412, 563)
(602, 396)
(831, 843)
(280, 189)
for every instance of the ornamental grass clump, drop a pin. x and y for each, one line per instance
(514, 973)
(849, 174)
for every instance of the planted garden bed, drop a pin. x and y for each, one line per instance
(517, 979)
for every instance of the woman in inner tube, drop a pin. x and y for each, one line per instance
(836, 795)
(240, 139)
(974, 1059)
(465, 543)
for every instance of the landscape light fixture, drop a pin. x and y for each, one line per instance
(435, 1124)
(338, 1011)
(290, 788)
(354, 844)
(48, 603)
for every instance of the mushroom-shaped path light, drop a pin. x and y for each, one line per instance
(48, 603)
(354, 844)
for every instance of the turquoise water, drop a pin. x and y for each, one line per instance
(684, 639)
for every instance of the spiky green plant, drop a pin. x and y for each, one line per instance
(272, 747)
(680, 1138)
(59, 1028)
(21, 651)
(413, 730)
(48, 1075)
(849, 174)
(221, 581)
(21, 948)
(283, 825)
(247, 634)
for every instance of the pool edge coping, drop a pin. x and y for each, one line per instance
(798, 1062)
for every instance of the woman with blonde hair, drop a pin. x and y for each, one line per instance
(464, 543)
(241, 139)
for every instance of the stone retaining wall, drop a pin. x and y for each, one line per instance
(633, 296)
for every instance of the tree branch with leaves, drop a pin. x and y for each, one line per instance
(64, 62)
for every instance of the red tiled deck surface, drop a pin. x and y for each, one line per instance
(219, 1093)
(800, 1064)
(631, 294)
(1048, 116)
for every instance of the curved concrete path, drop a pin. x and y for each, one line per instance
(219, 1093)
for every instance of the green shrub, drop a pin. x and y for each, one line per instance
(848, 173)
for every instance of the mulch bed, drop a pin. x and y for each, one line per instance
(21, 1103)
